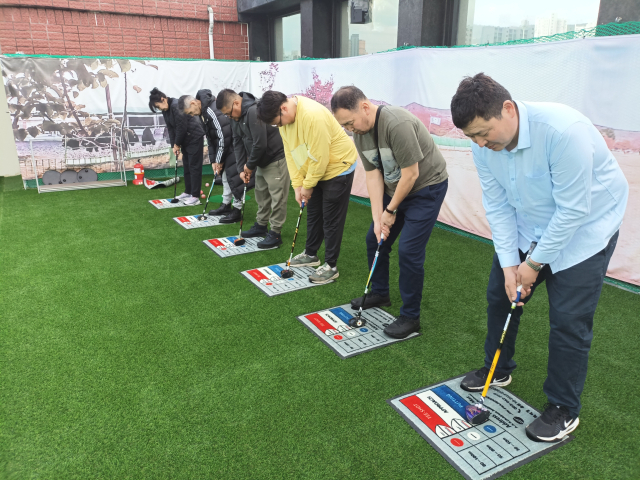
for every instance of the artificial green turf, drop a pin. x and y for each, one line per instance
(130, 350)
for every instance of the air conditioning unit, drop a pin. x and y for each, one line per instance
(360, 11)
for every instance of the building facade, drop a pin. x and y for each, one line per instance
(343, 28)
(127, 28)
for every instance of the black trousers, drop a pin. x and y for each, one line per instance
(573, 298)
(192, 158)
(326, 215)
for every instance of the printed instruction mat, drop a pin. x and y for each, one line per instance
(268, 279)
(193, 221)
(479, 452)
(226, 248)
(166, 203)
(332, 327)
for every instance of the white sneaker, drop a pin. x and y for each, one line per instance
(191, 201)
(183, 196)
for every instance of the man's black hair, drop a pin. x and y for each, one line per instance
(269, 106)
(348, 98)
(478, 96)
(155, 96)
(224, 98)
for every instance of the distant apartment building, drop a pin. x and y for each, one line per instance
(551, 25)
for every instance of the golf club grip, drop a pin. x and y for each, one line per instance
(493, 369)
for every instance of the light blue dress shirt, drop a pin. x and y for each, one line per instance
(560, 186)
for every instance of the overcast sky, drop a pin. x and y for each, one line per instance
(505, 13)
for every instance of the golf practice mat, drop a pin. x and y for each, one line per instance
(166, 203)
(478, 452)
(268, 279)
(332, 327)
(226, 248)
(193, 221)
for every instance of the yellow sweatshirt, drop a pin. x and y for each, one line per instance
(316, 146)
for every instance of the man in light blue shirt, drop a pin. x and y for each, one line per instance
(550, 187)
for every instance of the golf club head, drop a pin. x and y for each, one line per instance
(286, 273)
(175, 200)
(238, 242)
(202, 217)
(477, 414)
(357, 321)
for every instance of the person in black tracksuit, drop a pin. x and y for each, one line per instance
(186, 134)
(221, 152)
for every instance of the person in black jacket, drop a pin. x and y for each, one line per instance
(220, 139)
(258, 148)
(186, 134)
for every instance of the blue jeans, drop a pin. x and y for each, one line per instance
(573, 297)
(416, 216)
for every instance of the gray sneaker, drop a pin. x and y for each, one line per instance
(324, 274)
(304, 260)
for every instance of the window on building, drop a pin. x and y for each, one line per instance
(287, 37)
(378, 35)
(498, 21)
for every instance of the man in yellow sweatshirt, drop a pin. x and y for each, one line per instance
(321, 159)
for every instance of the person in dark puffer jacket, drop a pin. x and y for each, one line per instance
(221, 153)
(186, 134)
(260, 155)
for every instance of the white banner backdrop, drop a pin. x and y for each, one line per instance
(597, 76)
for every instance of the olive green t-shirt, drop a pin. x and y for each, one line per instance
(403, 140)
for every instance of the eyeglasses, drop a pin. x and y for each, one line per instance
(279, 124)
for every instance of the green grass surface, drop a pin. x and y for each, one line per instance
(130, 350)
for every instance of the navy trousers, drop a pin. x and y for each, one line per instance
(416, 216)
(573, 297)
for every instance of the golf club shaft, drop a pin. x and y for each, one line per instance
(210, 190)
(497, 355)
(373, 267)
(295, 235)
(244, 196)
(175, 178)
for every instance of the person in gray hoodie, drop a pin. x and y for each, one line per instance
(259, 151)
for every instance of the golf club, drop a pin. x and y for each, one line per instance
(478, 413)
(204, 216)
(287, 272)
(175, 183)
(358, 321)
(238, 242)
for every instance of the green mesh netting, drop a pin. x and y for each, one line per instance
(607, 30)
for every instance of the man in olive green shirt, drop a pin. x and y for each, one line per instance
(407, 182)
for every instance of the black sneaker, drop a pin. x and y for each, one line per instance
(233, 217)
(272, 240)
(223, 209)
(256, 230)
(474, 381)
(373, 300)
(552, 426)
(402, 327)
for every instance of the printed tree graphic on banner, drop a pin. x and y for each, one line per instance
(268, 77)
(44, 89)
(320, 92)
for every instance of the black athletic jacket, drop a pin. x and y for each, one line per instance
(183, 129)
(256, 144)
(220, 140)
(217, 127)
